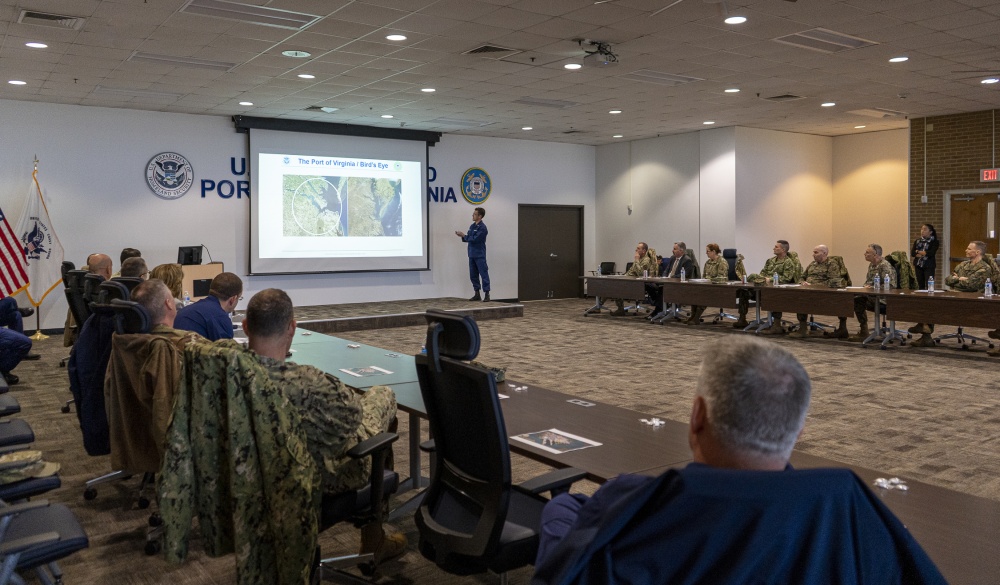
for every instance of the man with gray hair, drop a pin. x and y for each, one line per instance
(155, 297)
(134, 267)
(877, 266)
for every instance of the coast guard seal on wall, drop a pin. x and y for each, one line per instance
(476, 185)
(169, 175)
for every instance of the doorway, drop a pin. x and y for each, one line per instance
(549, 251)
(973, 216)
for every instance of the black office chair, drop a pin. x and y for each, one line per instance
(604, 268)
(64, 269)
(91, 286)
(472, 519)
(731, 258)
(33, 536)
(129, 282)
(112, 290)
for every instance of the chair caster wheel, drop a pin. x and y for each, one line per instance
(155, 520)
(89, 494)
(143, 502)
(367, 569)
(152, 547)
(991, 346)
(64, 409)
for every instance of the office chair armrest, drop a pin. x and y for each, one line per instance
(557, 481)
(22, 507)
(369, 446)
(13, 448)
(28, 542)
(428, 446)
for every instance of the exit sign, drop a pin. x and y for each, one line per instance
(989, 175)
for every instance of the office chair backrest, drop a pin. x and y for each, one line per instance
(730, 255)
(695, 270)
(130, 316)
(64, 269)
(78, 305)
(464, 509)
(607, 268)
(110, 290)
(91, 287)
(128, 281)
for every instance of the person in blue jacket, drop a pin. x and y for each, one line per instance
(209, 317)
(476, 237)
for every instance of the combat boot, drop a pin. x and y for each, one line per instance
(741, 323)
(839, 333)
(802, 331)
(476, 297)
(995, 334)
(383, 545)
(774, 329)
(862, 334)
(925, 340)
(695, 318)
(486, 298)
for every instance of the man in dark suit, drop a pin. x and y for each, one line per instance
(672, 268)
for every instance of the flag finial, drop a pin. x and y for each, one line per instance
(36, 162)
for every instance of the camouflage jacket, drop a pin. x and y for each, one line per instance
(647, 262)
(236, 457)
(976, 273)
(788, 269)
(824, 273)
(881, 269)
(716, 270)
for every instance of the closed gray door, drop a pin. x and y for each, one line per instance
(550, 252)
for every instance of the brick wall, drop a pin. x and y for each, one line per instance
(958, 146)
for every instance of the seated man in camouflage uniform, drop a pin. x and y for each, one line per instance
(822, 271)
(877, 266)
(644, 261)
(969, 276)
(788, 269)
(335, 417)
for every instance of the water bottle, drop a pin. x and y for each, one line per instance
(187, 298)
(989, 289)
(877, 282)
(930, 284)
(423, 350)
(775, 279)
(887, 281)
(744, 279)
(599, 273)
(683, 276)
(645, 274)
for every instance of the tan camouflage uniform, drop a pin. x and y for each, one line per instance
(788, 270)
(236, 458)
(335, 419)
(865, 303)
(976, 273)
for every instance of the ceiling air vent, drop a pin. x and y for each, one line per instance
(492, 52)
(323, 109)
(51, 20)
(532, 101)
(140, 57)
(252, 14)
(659, 77)
(824, 41)
(785, 97)
(462, 123)
(878, 113)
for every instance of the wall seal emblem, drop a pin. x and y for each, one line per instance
(476, 185)
(169, 175)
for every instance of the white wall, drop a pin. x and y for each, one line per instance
(783, 191)
(718, 189)
(91, 171)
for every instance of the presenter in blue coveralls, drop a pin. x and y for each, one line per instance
(476, 237)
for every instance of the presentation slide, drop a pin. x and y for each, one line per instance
(328, 203)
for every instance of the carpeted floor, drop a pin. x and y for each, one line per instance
(924, 415)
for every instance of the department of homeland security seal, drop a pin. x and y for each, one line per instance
(476, 185)
(169, 175)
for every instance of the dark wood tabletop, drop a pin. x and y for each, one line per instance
(615, 286)
(944, 308)
(808, 299)
(699, 293)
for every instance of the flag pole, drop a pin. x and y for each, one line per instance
(38, 336)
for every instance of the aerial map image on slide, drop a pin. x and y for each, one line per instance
(374, 207)
(314, 206)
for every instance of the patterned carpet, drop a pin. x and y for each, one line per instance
(925, 415)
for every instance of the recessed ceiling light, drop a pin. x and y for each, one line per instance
(527, 128)
(387, 116)
(828, 104)
(428, 90)
(306, 76)
(733, 90)
(708, 122)
(899, 59)
(990, 80)
(572, 66)
(296, 54)
(736, 20)
(859, 127)
(396, 37)
(17, 82)
(246, 103)
(36, 45)
(614, 111)
(617, 136)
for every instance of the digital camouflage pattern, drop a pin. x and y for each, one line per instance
(906, 276)
(236, 458)
(647, 262)
(788, 269)
(831, 273)
(976, 273)
(881, 268)
(335, 418)
(716, 270)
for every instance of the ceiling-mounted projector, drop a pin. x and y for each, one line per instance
(600, 55)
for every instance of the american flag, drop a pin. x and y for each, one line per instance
(13, 271)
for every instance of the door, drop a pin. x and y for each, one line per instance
(973, 217)
(549, 251)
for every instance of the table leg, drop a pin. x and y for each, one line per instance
(877, 329)
(415, 481)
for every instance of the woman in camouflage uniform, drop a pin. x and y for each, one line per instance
(716, 270)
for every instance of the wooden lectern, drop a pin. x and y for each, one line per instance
(198, 276)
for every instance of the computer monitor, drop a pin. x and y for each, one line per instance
(189, 255)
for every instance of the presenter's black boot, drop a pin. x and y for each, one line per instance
(476, 297)
(486, 298)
